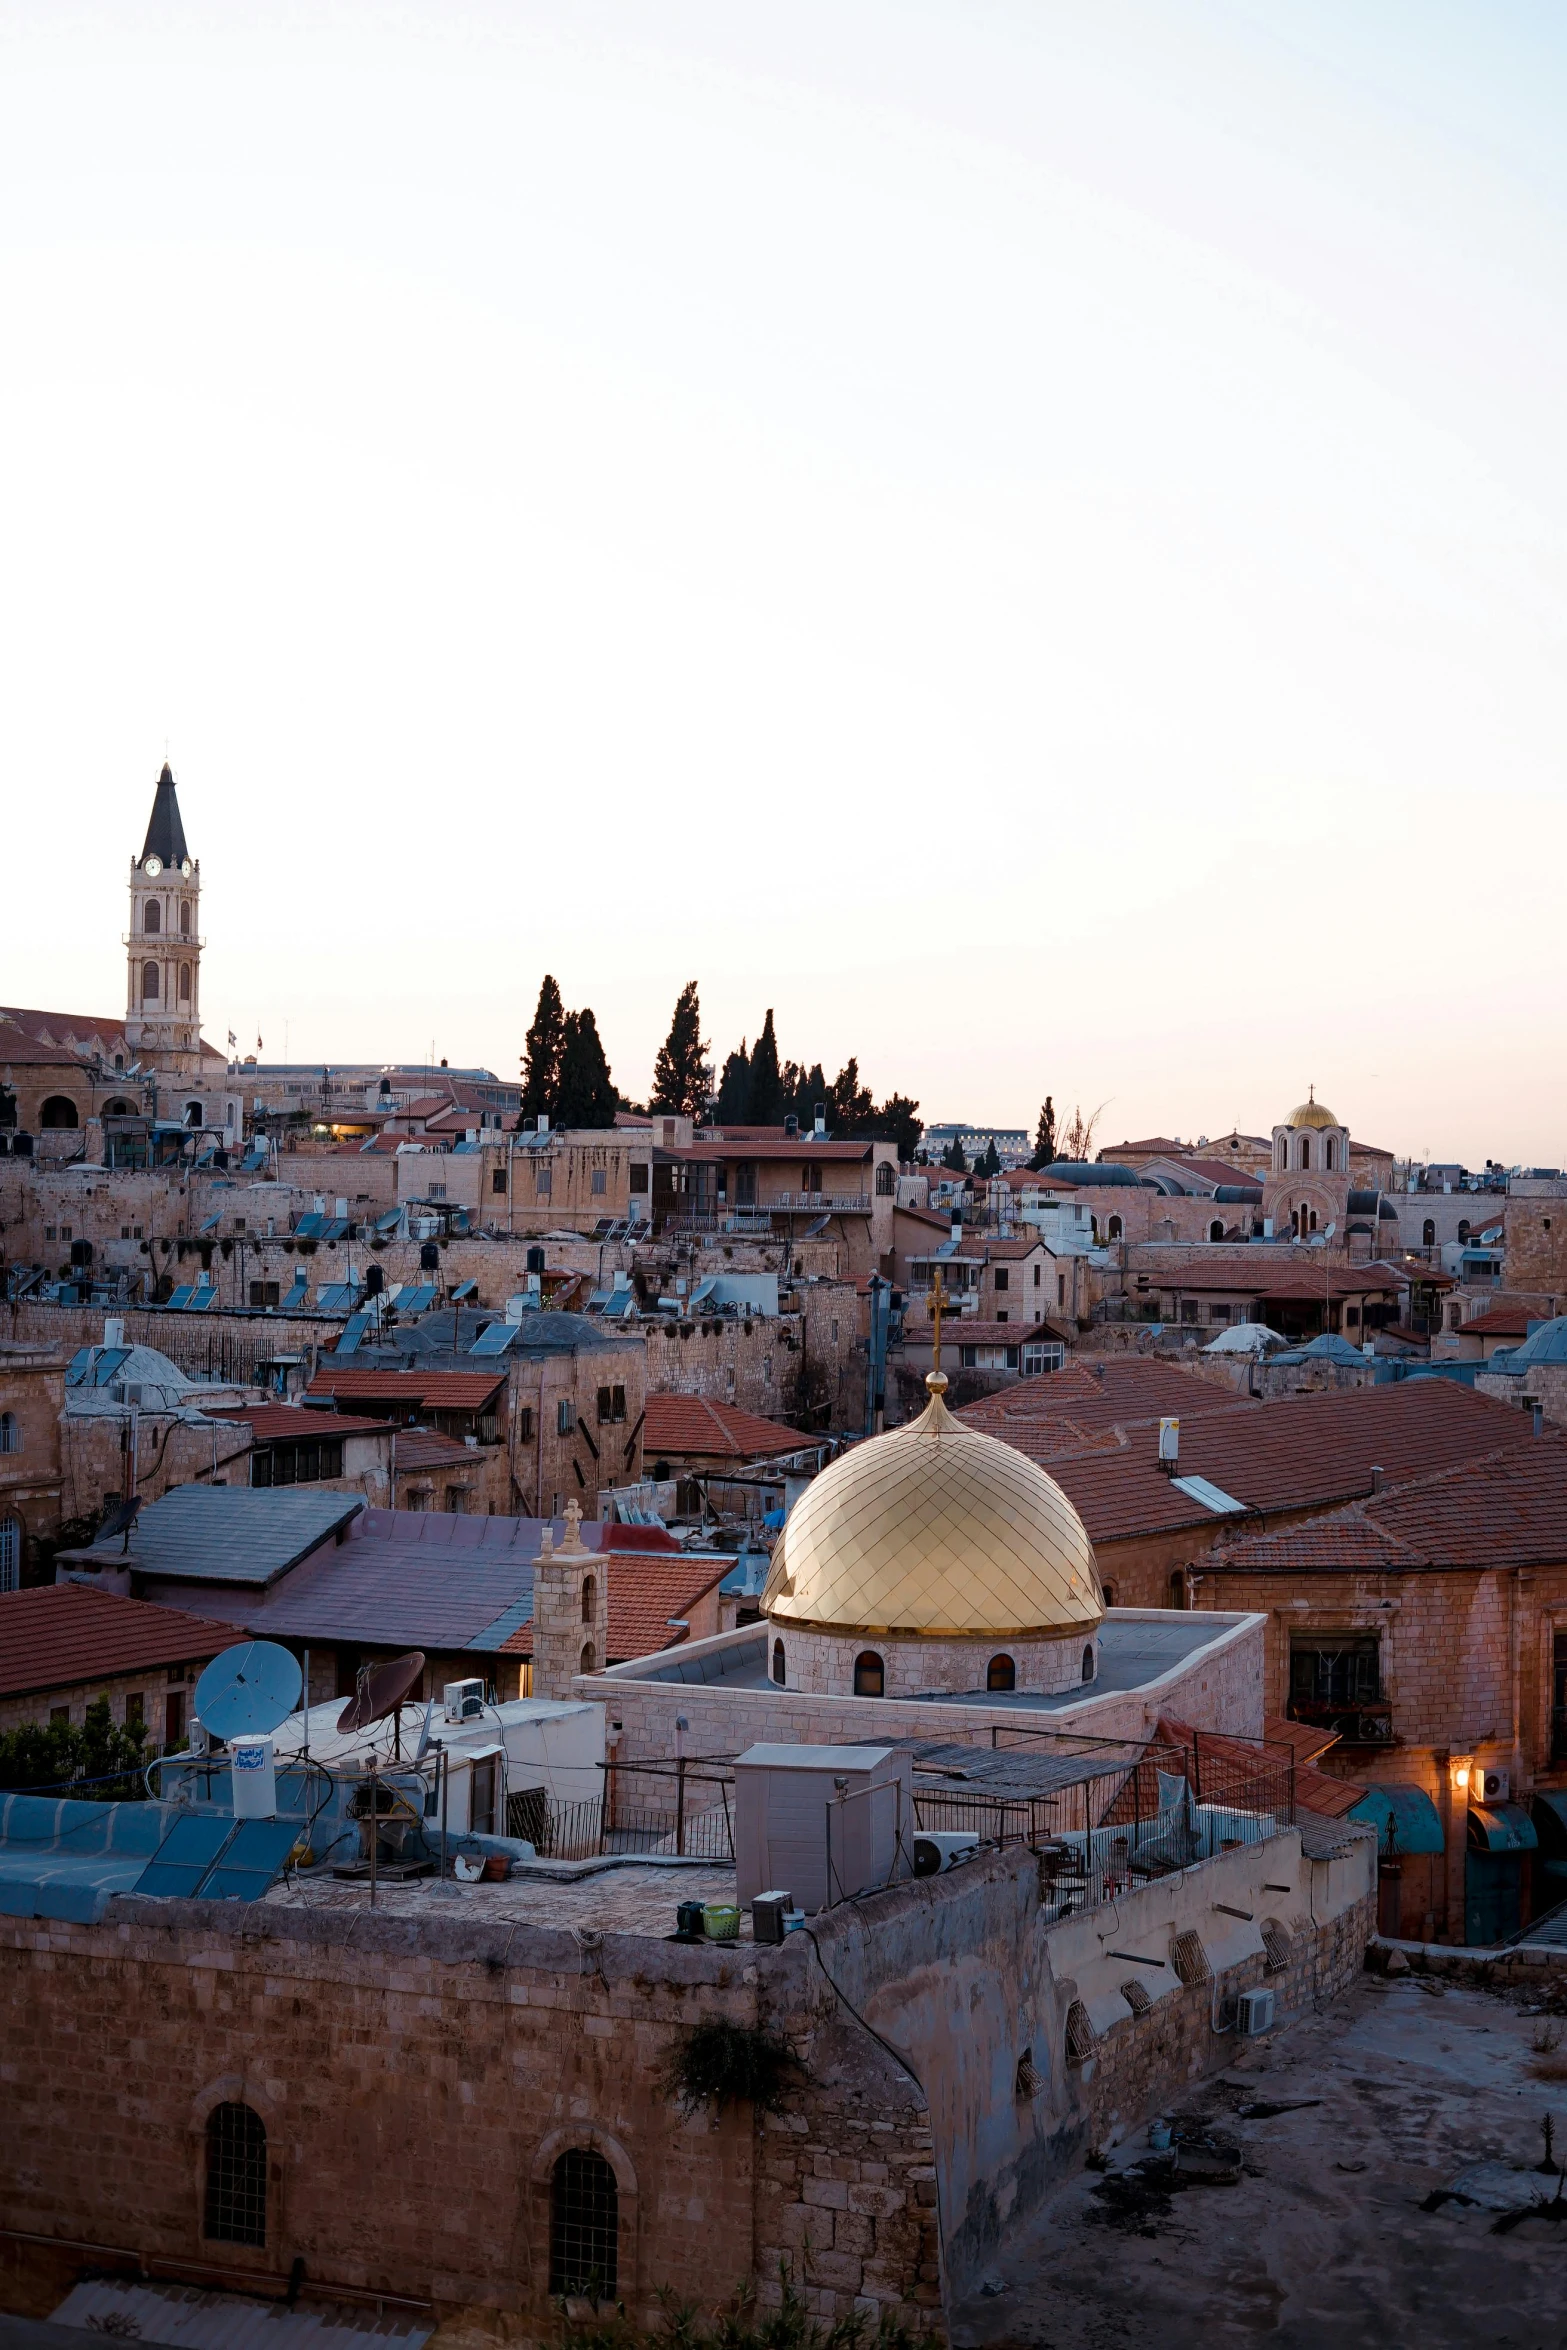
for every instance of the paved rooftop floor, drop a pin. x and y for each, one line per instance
(631, 1900)
(1323, 2239)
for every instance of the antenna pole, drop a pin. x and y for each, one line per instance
(375, 1828)
(307, 1714)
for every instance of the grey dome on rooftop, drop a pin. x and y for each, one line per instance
(1548, 1344)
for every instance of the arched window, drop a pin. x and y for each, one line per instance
(152, 918)
(886, 1181)
(585, 1663)
(1216, 1228)
(10, 1433)
(118, 1109)
(1305, 1150)
(1313, 1215)
(236, 2205)
(778, 1663)
(10, 1553)
(1088, 1663)
(193, 1113)
(1093, 1230)
(1427, 1229)
(1001, 1673)
(1109, 1591)
(1463, 1228)
(184, 917)
(1280, 1155)
(1178, 1587)
(584, 2226)
(184, 983)
(149, 983)
(60, 1111)
(590, 1592)
(1114, 1228)
(1328, 1150)
(870, 1674)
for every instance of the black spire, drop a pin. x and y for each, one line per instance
(165, 832)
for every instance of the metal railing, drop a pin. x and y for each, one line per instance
(685, 1809)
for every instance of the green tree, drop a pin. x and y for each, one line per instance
(542, 1056)
(105, 1757)
(952, 1157)
(680, 1072)
(896, 1121)
(734, 1088)
(990, 1162)
(851, 1107)
(764, 1097)
(1045, 1136)
(587, 1095)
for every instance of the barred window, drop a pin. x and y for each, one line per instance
(584, 2226)
(236, 2210)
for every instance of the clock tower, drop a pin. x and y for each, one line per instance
(163, 944)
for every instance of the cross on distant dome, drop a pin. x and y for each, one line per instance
(938, 1300)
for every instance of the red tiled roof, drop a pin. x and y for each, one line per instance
(1506, 1509)
(446, 1391)
(280, 1423)
(689, 1424)
(648, 1598)
(427, 1448)
(1296, 1453)
(1499, 1322)
(971, 1330)
(64, 1633)
(1330, 1798)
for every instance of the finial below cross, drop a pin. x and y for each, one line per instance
(938, 1303)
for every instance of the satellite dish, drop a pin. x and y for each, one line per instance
(247, 1690)
(1330, 1229)
(381, 1691)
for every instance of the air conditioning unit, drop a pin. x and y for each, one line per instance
(935, 1854)
(464, 1700)
(1254, 2013)
(1496, 1786)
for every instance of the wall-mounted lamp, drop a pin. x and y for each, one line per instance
(1461, 1765)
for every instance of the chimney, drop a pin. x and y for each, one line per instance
(543, 1123)
(1376, 1480)
(821, 1122)
(791, 1126)
(1539, 1419)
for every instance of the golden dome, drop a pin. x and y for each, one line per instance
(1311, 1112)
(935, 1530)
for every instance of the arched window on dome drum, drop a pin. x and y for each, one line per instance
(870, 1674)
(1088, 1664)
(149, 983)
(152, 918)
(1305, 1151)
(1328, 1154)
(1001, 1673)
(778, 1663)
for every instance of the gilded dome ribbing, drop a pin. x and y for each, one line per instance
(935, 1530)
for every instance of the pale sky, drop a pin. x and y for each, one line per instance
(1028, 537)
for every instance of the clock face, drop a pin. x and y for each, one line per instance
(185, 868)
(153, 866)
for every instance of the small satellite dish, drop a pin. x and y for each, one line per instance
(247, 1690)
(381, 1691)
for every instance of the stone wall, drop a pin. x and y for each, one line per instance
(823, 1663)
(1217, 1688)
(1535, 1224)
(806, 1368)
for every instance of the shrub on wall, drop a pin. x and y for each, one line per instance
(719, 2063)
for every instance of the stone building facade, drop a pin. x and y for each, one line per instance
(32, 1407)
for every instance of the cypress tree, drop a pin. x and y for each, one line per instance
(764, 1099)
(734, 1088)
(1045, 1136)
(541, 1059)
(587, 1095)
(679, 1079)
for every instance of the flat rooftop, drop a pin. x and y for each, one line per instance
(1134, 1649)
(629, 1898)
